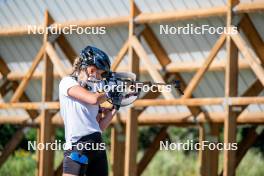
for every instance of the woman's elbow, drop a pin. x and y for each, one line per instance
(101, 127)
(97, 99)
(93, 100)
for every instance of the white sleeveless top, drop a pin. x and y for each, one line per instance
(79, 117)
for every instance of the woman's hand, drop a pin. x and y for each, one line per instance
(106, 117)
(108, 111)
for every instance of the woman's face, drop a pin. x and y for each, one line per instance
(93, 71)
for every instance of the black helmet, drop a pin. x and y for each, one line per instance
(93, 56)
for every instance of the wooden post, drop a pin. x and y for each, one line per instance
(213, 154)
(203, 154)
(46, 156)
(231, 88)
(131, 143)
(245, 144)
(208, 159)
(132, 124)
(117, 150)
(46, 127)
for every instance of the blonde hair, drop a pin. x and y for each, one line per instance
(76, 67)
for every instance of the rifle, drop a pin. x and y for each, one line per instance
(123, 89)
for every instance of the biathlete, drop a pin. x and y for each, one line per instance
(83, 118)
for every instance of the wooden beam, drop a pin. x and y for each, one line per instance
(236, 101)
(208, 159)
(158, 17)
(131, 142)
(243, 146)
(155, 17)
(107, 22)
(5, 87)
(253, 36)
(155, 75)
(188, 118)
(156, 46)
(31, 105)
(162, 57)
(185, 118)
(199, 101)
(149, 66)
(164, 60)
(13, 85)
(200, 73)
(152, 95)
(203, 156)
(231, 90)
(4, 70)
(24, 98)
(117, 151)
(24, 30)
(214, 154)
(249, 7)
(15, 120)
(46, 157)
(172, 68)
(151, 150)
(59, 66)
(11, 145)
(148, 155)
(257, 68)
(59, 170)
(187, 66)
(19, 91)
(66, 48)
(254, 89)
(119, 57)
(46, 128)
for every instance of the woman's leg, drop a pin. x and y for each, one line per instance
(71, 167)
(68, 175)
(99, 166)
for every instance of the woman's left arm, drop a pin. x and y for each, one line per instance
(105, 121)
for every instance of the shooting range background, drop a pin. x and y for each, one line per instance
(187, 52)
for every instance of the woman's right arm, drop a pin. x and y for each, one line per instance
(83, 95)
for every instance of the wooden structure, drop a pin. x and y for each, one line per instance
(44, 116)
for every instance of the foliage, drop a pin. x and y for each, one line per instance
(165, 163)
